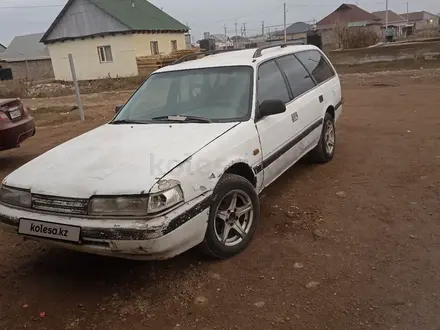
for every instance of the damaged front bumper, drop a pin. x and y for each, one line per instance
(162, 237)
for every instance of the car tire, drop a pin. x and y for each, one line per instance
(325, 149)
(229, 232)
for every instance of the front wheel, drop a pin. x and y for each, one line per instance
(325, 149)
(233, 217)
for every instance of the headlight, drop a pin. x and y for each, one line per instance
(164, 200)
(15, 196)
(136, 205)
(129, 206)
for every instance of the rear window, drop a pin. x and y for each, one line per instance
(299, 79)
(316, 64)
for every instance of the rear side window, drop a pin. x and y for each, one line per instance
(316, 64)
(271, 84)
(299, 79)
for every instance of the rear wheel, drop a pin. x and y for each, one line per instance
(233, 217)
(325, 149)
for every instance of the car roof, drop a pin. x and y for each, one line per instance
(236, 58)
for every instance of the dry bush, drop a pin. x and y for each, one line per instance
(428, 32)
(354, 37)
(360, 38)
(340, 31)
(13, 88)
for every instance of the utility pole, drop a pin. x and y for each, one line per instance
(75, 84)
(407, 13)
(236, 34)
(386, 16)
(244, 30)
(262, 28)
(285, 24)
(226, 32)
(27, 69)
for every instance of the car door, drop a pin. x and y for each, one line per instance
(280, 134)
(325, 77)
(306, 106)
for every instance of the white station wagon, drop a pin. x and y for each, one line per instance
(183, 161)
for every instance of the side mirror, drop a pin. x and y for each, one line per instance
(117, 108)
(271, 107)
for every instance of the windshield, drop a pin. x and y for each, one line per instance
(220, 94)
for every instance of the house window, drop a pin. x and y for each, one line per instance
(105, 54)
(173, 45)
(154, 48)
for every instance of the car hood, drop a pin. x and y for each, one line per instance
(114, 159)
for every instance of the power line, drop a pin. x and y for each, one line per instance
(30, 7)
(248, 15)
(47, 6)
(285, 23)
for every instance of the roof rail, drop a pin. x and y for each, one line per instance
(206, 53)
(282, 45)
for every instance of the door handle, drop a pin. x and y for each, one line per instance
(321, 98)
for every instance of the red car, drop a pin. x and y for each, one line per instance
(16, 125)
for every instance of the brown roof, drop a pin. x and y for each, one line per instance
(348, 13)
(392, 16)
(415, 16)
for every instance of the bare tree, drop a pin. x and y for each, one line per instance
(354, 37)
(340, 33)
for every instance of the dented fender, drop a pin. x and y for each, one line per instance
(202, 171)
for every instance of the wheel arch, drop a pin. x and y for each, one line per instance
(331, 111)
(244, 170)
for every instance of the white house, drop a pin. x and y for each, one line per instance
(222, 41)
(105, 37)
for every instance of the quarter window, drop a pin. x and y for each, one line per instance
(299, 79)
(271, 84)
(316, 64)
(105, 54)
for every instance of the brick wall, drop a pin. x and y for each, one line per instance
(35, 70)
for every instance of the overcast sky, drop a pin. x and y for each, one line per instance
(201, 15)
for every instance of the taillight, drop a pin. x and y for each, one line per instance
(3, 116)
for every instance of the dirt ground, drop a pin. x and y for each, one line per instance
(353, 244)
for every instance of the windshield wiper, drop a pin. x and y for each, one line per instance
(183, 119)
(129, 121)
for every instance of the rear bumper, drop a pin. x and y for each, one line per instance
(13, 134)
(160, 238)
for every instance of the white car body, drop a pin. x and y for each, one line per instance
(115, 160)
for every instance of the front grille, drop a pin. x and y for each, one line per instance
(59, 204)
